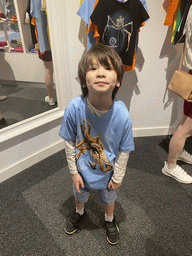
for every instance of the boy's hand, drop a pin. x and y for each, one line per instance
(112, 185)
(77, 179)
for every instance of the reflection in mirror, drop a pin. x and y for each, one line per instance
(26, 70)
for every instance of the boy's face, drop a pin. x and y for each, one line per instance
(101, 79)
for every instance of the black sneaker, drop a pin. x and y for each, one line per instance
(3, 123)
(112, 232)
(73, 223)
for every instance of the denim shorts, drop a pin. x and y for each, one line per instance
(106, 196)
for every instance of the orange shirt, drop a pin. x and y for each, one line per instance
(170, 16)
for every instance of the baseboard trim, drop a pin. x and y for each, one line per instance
(31, 160)
(154, 131)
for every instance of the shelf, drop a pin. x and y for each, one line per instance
(24, 32)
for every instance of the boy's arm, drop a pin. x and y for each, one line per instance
(70, 154)
(119, 170)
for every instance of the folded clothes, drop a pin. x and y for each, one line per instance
(2, 44)
(17, 49)
(33, 50)
(2, 16)
(16, 43)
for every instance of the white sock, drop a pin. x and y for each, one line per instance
(108, 217)
(80, 211)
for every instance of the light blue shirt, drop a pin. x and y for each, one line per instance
(112, 131)
(85, 11)
(41, 24)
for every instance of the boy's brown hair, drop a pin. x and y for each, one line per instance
(106, 56)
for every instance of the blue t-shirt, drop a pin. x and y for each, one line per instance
(84, 12)
(98, 139)
(41, 24)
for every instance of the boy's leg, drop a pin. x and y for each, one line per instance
(108, 198)
(79, 207)
(109, 209)
(78, 214)
(111, 225)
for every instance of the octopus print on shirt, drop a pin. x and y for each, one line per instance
(118, 25)
(95, 147)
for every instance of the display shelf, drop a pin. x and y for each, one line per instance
(17, 19)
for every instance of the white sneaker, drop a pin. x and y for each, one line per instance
(50, 101)
(177, 173)
(185, 157)
(3, 97)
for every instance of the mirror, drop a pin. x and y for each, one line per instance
(26, 78)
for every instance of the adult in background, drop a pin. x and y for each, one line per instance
(176, 151)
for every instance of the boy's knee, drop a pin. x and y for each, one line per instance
(107, 197)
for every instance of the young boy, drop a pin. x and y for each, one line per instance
(97, 130)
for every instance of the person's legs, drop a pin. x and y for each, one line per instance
(109, 209)
(108, 198)
(176, 152)
(184, 130)
(48, 65)
(79, 205)
(78, 214)
(112, 230)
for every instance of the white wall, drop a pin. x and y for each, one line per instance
(25, 67)
(153, 110)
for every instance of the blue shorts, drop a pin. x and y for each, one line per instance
(106, 196)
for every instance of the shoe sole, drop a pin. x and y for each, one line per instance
(185, 182)
(70, 233)
(111, 242)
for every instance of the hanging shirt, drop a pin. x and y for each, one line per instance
(85, 11)
(41, 24)
(81, 1)
(172, 8)
(179, 17)
(32, 27)
(118, 25)
(187, 58)
(179, 35)
(144, 3)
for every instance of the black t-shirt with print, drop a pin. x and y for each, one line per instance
(118, 25)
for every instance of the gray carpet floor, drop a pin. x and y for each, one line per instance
(23, 102)
(153, 211)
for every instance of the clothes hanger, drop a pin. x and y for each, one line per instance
(122, 1)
